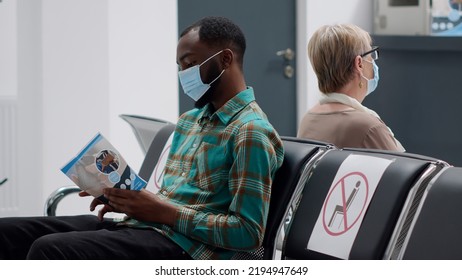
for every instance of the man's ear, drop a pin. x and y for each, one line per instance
(227, 58)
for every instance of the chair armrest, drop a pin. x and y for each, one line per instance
(55, 197)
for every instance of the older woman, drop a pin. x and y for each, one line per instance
(344, 62)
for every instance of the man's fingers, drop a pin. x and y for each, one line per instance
(117, 193)
(83, 194)
(95, 202)
(103, 211)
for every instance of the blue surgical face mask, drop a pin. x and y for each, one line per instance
(372, 83)
(191, 80)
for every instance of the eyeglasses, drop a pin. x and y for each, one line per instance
(374, 53)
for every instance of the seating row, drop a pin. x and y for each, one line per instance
(368, 204)
(330, 203)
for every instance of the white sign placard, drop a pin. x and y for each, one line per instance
(346, 204)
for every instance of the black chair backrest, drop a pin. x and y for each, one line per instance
(298, 154)
(435, 232)
(378, 224)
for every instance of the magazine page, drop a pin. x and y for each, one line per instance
(99, 165)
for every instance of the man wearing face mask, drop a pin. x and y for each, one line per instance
(345, 64)
(214, 199)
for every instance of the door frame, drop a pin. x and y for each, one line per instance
(303, 101)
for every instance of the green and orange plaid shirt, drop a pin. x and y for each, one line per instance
(219, 171)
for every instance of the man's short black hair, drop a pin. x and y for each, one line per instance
(220, 32)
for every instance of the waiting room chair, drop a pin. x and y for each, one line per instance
(299, 157)
(435, 230)
(146, 129)
(404, 175)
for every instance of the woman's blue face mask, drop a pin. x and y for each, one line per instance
(372, 83)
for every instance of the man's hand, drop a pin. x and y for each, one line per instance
(95, 202)
(141, 205)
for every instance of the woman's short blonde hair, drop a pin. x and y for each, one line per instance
(332, 50)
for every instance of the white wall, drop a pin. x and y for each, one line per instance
(80, 65)
(76, 97)
(8, 49)
(142, 67)
(125, 54)
(29, 180)
(312, 14)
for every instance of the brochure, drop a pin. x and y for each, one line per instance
(99, 165)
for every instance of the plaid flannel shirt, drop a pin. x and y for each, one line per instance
(219, 172)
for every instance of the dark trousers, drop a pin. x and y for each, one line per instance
(81, 237)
